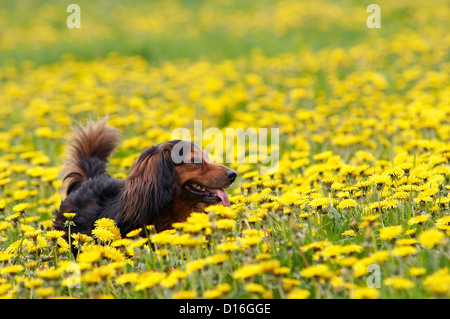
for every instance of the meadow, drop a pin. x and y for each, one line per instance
(358, 208)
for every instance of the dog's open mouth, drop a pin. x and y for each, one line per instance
(214, 195)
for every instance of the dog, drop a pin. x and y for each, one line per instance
(167, 182)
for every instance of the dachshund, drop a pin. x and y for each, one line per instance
(159, 190)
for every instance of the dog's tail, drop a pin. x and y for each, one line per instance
(89, 150)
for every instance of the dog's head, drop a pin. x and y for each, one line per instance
(172, 173)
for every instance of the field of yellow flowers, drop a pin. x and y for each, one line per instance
(360, 204)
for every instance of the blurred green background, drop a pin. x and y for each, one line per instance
(220, 29)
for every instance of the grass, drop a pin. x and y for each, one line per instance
(364, 147)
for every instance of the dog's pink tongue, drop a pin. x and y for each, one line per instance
(222, 194)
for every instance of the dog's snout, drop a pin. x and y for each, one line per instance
(231, 175)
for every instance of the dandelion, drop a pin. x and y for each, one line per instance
(298, 294)
(418, 219)
(104, 223)
(212, 294)
(273, 183)
(438, 282)
(4, 256)
(185, 294)
(45, 292)
(417, 271)
(406, 241)
(319, 270)
(288, 283)
(431, 238)
(226, 224)
(69, 216)
(33, 283)
(173, 278)
(401, 195)
(148, 280)
(55, 234)
(228, 246)
(127, 278)
(20, 208)
(217, 292)
(247, 271)
(390, 232)
(80, 239)
(89, 257)
(350, 233)
(320, 203)
(134, 233)
(11, 269)
(254, 287)
(443, 220)
(347, 203)
(380, 180)
(365, 293)
(13, 217)
(103, 235)
(403, 251)
(398, 283)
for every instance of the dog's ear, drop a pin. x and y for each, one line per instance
(149, 187)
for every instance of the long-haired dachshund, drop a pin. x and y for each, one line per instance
(159, 191)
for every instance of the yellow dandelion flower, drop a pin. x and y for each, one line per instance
(185, 294)
(398, 283)
(69, 216)
(298, 294)
(228, 246)
(319, 270)
(226, 224)
(443, 220)
(438, 282)
(13, 217)
(406, 241)
(81, 239)
(173, 278)
(55, 234)
(104, 223)
(431, 238)
(364, 293)
(289, 283)
(148, 280)
(19, 208)
(4, 256)
(127, 278)
(45, 292)
(403, 251)
(417, 271)
(320, 202)
(420, 219)
(347, 203)
(212, 294)
(89, 256)
(401, 195)
(350, 233)
(103, 235)
(390, 232)
(254, 287)
(371, 218)
(247, 271)
(11, 269)
(134, 233)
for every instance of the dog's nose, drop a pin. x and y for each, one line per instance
(231, 175)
